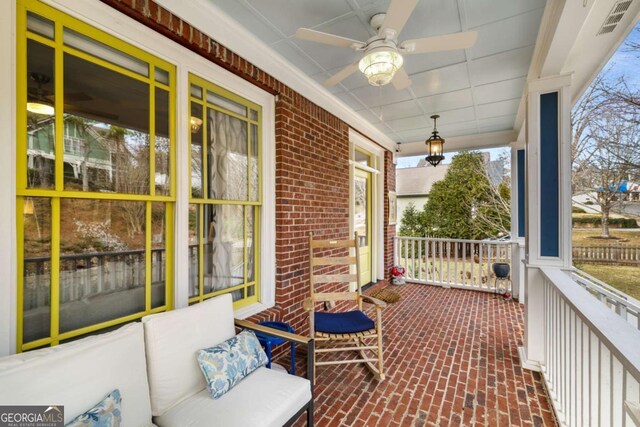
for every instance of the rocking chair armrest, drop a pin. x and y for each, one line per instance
(307, 304)
(378, 303)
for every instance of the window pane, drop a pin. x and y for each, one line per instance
(362, 158)
(224, 248)
(102, 261)
(255, 166)
(39, 25)
(361, 203)
(196, 150)
(194, 251)
(226, 103)
(37, 268)
(40, 119)
(251, 244)
(162, 76)
(158, 255)
(196, 91)
(254, 115)
(162, 143)
(107, 129)
(227, 162)
(103, 51)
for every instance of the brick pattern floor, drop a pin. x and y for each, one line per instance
(451, 359)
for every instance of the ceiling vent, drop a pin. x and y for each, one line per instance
(615, 16)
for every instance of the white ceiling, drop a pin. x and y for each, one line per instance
(475, 90)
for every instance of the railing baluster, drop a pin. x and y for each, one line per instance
(448, 263)
(480, 265)
(413, 259)
(464, 263)
(440, 276)
(419, 260)
(455, 256)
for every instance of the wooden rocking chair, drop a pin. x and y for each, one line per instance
(346, 330)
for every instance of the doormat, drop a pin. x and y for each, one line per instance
(387, 295)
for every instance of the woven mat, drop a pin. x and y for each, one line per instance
(387, 295)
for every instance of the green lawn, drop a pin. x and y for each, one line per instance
(624, 278)
(586, 237)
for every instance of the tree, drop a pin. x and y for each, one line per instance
(465, 204)
(612, 141)
(604, 145)
(412, 222)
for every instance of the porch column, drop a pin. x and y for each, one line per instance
(517, 219)
(548, 200)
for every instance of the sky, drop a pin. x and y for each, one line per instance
(623, 63)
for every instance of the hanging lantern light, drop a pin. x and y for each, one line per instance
(435, 145)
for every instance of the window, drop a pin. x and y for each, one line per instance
(95, 179)
(226, 195)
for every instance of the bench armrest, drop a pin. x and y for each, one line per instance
(298, 339)
(288, 336)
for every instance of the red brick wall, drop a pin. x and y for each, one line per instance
(312, 163)
(390, 230)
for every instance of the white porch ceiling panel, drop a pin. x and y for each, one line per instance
(475, 91)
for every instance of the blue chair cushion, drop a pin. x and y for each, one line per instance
(343, 323)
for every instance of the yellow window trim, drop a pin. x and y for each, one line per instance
(62, 20)
(200, 202)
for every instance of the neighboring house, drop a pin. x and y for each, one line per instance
(81, 143)
(414, 184)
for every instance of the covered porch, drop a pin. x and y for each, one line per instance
(456, 354)
(452, 358)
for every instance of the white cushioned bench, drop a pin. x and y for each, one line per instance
(154, 366)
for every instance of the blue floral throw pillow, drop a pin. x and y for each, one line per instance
(226, 364)
(104, 414)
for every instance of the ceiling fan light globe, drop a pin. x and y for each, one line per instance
(40, 108)
(379, 66)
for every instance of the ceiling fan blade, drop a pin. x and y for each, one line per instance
(341, 75)
(89, 113)
(397, 16)
(326, 38)
(439, 43)
(401, 80)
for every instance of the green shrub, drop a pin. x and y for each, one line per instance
(596, 221)
(575, 209)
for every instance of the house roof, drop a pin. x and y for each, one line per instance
(418, 181)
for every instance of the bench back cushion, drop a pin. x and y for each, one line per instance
(80, 374)
(172, 340)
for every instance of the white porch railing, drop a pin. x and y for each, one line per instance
(592, 357)
(622, 304)
(452, 262)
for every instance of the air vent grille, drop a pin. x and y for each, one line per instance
(615, 16)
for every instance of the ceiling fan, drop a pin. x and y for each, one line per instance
(382, 60)
(41, 100)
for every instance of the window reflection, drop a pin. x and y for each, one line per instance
(106, 130)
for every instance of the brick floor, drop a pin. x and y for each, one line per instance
(451, 359)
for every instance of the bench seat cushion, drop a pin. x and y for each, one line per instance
(265, 398)
(80, 374)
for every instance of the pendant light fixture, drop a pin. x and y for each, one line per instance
(37, 102)
(435, 145)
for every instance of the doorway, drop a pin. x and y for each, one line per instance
(362, 222)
